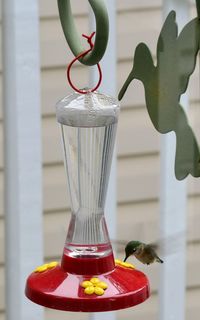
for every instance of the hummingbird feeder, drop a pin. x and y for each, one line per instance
(88, 279)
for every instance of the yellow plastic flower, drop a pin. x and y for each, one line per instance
(117, 261)
(128, 265)
(94, 285)
(102, 285)
(94, 281)
(86, 284)
(99, 291)
(46, 266)
(42, 268)
(52, 264)
(124, 264)
(89, 290)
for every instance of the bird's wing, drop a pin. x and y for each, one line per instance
(176, 55)
(167, 40)
(188, 46)
(170, 244)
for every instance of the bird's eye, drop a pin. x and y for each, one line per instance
(134, 249)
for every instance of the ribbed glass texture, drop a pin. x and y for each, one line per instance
(88, 156)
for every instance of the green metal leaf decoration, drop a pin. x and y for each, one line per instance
(165, 82)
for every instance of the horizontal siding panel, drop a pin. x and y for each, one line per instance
(127, 43)
(145, 186)
(193, 256)
(51, 136)
(193, 221)
(55, 227)
(138, 4)
(136, 176)
(54, 48)
(147, 310)
(138, 221)
(55, 193)
(129, 22)
(49, 9)
(58, 315)
(193, 186)
(136, 124)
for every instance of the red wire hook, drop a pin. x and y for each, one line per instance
(89, 40)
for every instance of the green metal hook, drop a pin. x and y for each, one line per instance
(71, 34)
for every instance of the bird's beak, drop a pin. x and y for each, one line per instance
(125, 258)
(126, 84)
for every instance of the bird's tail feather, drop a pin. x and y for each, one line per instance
(187, 149)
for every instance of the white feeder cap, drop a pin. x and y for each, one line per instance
(92, 109)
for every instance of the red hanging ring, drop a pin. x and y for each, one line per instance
(89, 39)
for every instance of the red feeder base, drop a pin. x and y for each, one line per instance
(58, 289)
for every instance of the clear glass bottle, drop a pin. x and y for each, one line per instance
(88, 125)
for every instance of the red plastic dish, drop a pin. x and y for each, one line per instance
(59, 289)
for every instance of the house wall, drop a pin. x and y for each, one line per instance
(138, 160)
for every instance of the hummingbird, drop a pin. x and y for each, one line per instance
(165, 82)
(145, 253)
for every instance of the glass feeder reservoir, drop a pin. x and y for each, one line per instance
(88, 124)
(87, 278)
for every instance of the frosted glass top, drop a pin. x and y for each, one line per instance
(87, 110)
